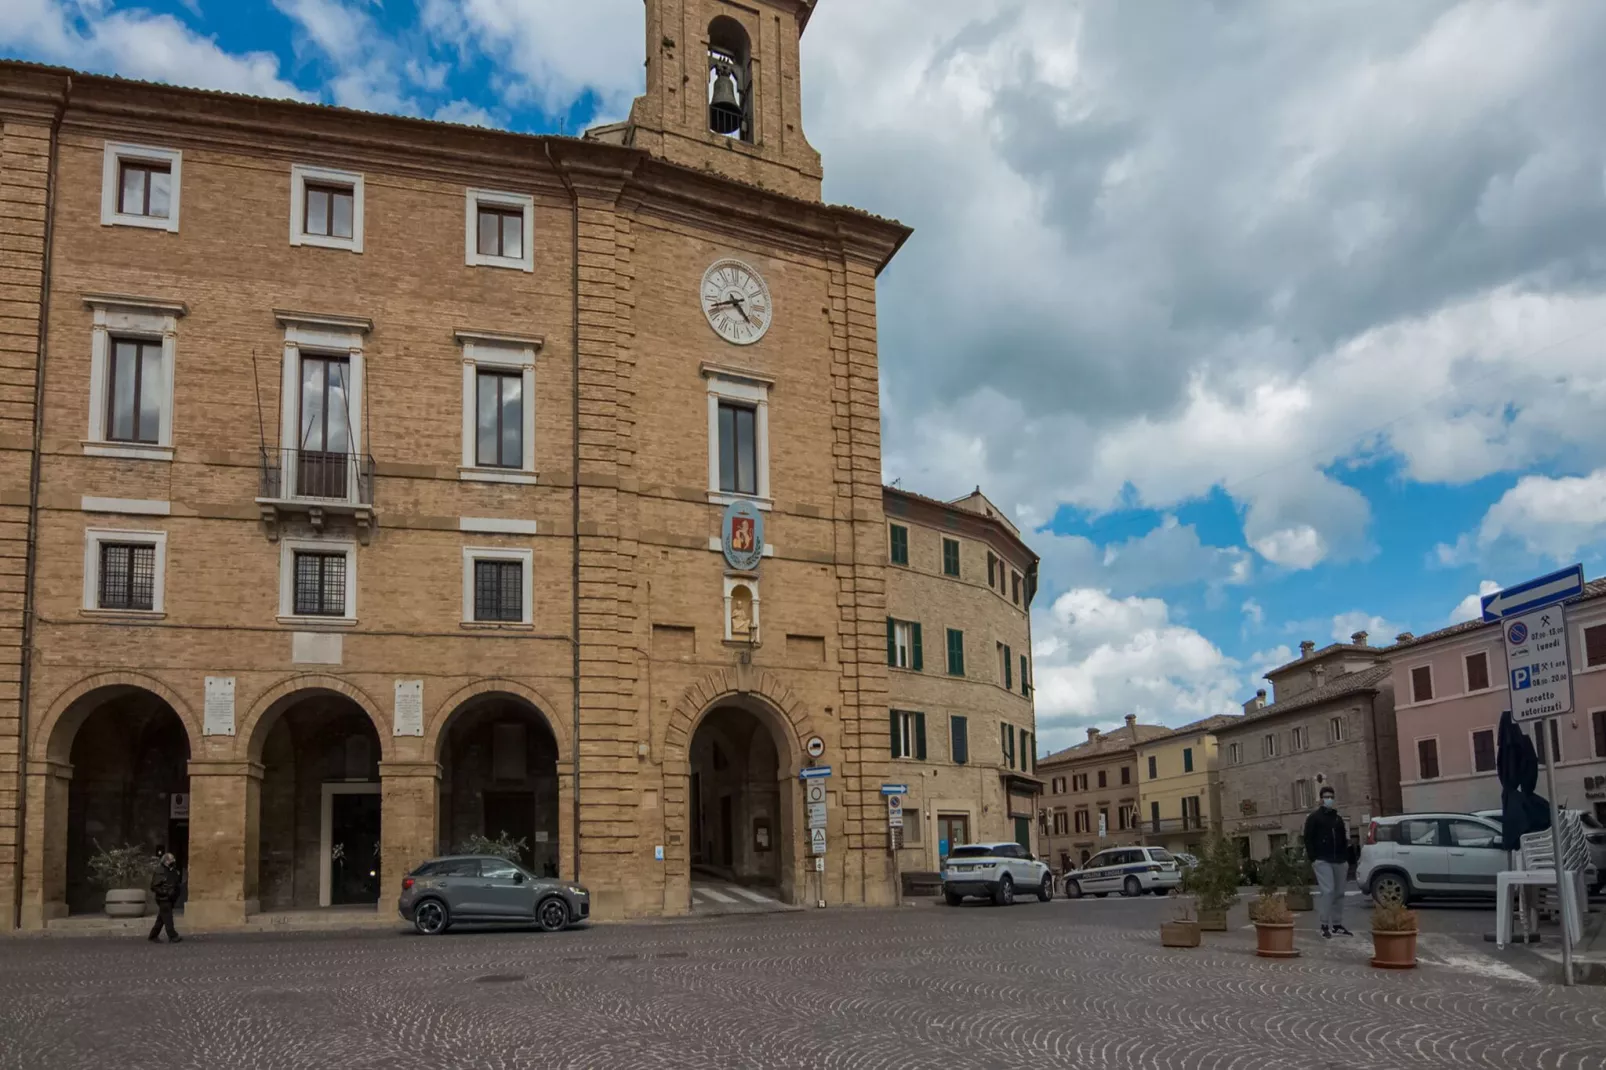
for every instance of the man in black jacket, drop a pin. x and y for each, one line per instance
(165, 884)
(1327, 847)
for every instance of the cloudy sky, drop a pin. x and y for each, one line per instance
(1273, 321)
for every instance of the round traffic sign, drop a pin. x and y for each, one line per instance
(1518, 633)
(816, 746)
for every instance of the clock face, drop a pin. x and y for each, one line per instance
(736, 302)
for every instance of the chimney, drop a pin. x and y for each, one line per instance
(1404, 637)
(1092, 735)
(1359, 638)
(1131, 720)
(1307, 648)
(1256, 703)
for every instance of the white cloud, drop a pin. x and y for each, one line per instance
(1169, 555)
(1471, 607)
(1555, 518)
(1347, 624)
(1254, 615)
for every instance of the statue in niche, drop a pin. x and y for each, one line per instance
(741, 613)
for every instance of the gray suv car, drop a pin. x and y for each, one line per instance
(484, 890)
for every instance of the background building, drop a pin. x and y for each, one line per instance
(959, 595)
(1092, 800)
(1451, 688)
(1331, 722)
(366, 483)
(1179, 786)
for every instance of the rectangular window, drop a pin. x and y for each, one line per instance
(127, 576)
(1187, 759)
(134, 391)
(1083, 821)
(1062, 823)
(903, 645)
(1154, 817)
(1121, 814)
(959, 739)
(320, 584)
(992, 569)
(1302, 795)
(328, 210)
(1190, 813)
(1335, 730)
(1027, 754)
(1299, 738)
(1599, 717)
(1154, 767)
(500, 231)
(1478, 671)
(909, 735)
(144, 187)
(1539, 742)
(1104, 821)
(1268, 745)
(499, 419)
(1427, 759)
(1103, 779)
(1126, 774)
(1009, 682)
(1595, 646)
(499, 590)
(1235, 753)
(956, 652)
(1422, 683)
(900, 544)
(738, 449)
(950, 557)
(324, 449)
(1483, 754)
(1014, 587)
(1006, 740)
(1025, 688)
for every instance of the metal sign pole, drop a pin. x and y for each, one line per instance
(1562, 876)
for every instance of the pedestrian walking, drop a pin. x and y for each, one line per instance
(1327, 847)
(165, 885)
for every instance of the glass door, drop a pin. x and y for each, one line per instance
(953, 830)
(324, 445)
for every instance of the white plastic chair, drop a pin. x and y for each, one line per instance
(1536, 869)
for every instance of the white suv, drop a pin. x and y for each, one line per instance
(1411, 856)
(1128, 870)
(994, 870)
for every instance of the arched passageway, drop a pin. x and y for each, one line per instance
(737, 803)
(499, 777)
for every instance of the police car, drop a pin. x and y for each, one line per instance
(1128, 870)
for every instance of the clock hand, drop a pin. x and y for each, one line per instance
(737, 301)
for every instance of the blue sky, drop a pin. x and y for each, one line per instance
(1267, 322)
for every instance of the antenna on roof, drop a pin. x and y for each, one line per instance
(895, 482)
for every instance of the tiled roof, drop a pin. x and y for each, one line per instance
(1348, 683)
(1120, 739)
(1208, 724)
(997, 522)
(1331, 648)
(1593, 589)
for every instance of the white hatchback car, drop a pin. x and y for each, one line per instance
(994, 870)
(1128, 870)
(1414, 856)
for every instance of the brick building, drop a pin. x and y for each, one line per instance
(963, 733)
(1179, 793)
(1092, 799)
(364, 485)
(1331, 723)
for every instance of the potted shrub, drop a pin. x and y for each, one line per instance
(1213, 883)
(1274, 927)
(125, 875)
(1182, 930)
(1288, 871)
(1393, 937)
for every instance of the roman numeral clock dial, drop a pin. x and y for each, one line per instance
(736, 301)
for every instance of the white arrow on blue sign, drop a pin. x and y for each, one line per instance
(814, 772)
(1544, 591)
(894, 789)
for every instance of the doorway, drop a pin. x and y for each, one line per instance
(1023, 833)
(953, 830)
(512, 814)
(736, 791)
(349, 845)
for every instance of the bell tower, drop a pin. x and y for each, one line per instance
(724, 92)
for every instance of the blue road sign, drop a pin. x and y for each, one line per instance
(894, 789)
(815, 773)
(1559, 586)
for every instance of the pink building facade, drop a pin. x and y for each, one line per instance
(1450, 688)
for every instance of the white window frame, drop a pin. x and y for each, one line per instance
(337, 336)
(1235, 752)
(526, 559)
(300, 175)
(1335, 729)
(903, 643)
(116, 153)
(93, 538)
(906, 728)
(1268, 745)
(147, 320)
(1472, 748)
(504, 352)
(1303, 798)
(1410, 682)
(743, 388)
(1466, 674)
(287, 579)
(1300, 738)
(1438, 754)
(471, 236)
(751, 583)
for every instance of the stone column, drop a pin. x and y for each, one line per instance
(44, 874)
(225, 804)
(409, 818)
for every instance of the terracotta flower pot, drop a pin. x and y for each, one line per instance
(125, 903)
(1274, 941)
(1179, 934)
(1394, 951)
(1300, 899)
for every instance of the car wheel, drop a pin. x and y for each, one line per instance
(953, 898)
(1073, 890)
(1045, 891)
(552, 915)
(1391, 889)
(1131, 887)
(431, 918)
(1005, 894)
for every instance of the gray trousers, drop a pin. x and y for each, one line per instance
(1330, 880)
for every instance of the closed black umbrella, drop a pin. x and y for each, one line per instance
(1517, 766)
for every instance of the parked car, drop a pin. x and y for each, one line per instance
(1185, 860)
(1415, 856)
(1128, 870)
(1594, 835)
(994, 870)
(481, 889)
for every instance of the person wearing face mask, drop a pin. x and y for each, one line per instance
(1327, 847)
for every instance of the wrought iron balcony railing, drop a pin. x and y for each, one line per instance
(315, 482)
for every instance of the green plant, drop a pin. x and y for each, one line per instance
(1214, 881)
(1285, 868)
(1270, 909)
(503, 846)
(1393, 918)
(116, 868)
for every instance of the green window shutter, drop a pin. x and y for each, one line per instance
(959, 739)
(1009, 683)
(920, 736)
(1025, 751)
(918, 659)
(956, 652)
(892, 641)
(896, 750)
(900, 544)
(1187, 759)
(1009, 734)
(1025, 688)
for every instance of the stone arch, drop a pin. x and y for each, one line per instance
(54, 737)
(253, 731)
(770, 699)
(440, 719)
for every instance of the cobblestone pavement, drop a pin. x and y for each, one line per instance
(1035, 985)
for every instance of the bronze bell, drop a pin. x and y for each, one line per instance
(724, 111)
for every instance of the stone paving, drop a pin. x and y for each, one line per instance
(1035, 985)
